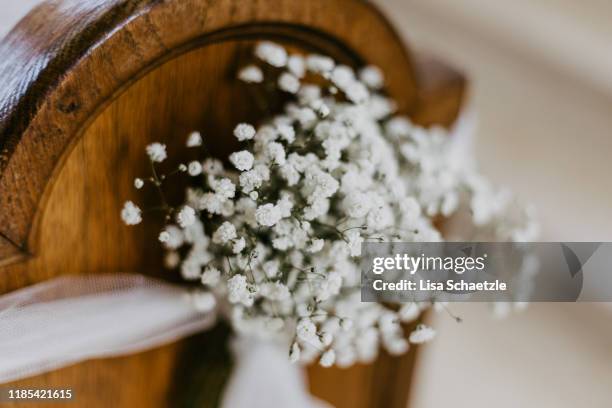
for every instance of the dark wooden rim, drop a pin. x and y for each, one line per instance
(69, 58)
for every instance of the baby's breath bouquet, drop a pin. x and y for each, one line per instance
(275, 235)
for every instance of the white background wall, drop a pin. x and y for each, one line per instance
(541, 75)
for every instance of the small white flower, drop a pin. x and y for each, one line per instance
(275, 152)
(319, 184)
(306, 116)
(409, 312)
(182, 168)
(265, 134)
(289, 83)
(271, 268)
(346, 324)
(319, 63)
(399, 127)
(294, 353)
(194, 168)
(303, 310)
(285, 204)
(356, 92)
(213, 203)
(348, 356)
(186, 217)
(225, 233)
(357, 204)
(328, 286)
(388, 323)
(211, 276)
(225, 188)
(131, 214)
(422, 334)
(380, 107)
(157, 152)
(268, 215)
(164, 236)
(204, 301)
(194, 139)
(251, 74)
(321, 108)
(244, 131)
(326, 339)
(306, 331)
(372, 76)
(194, 235)
(238, 245)
(239, 291)
(242, 160)
(275, 291)
(190, 270)
(290, 173)
(252, 179)
(328, 358)
(254, 195)
(309, 93)
(286, 133)
(316, 245)
(271, 53)
(396, 345)
(342, 76)
(317, 209)
(229, 209)
(296, 65)
(138, 183)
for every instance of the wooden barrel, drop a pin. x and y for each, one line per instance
(85, 85)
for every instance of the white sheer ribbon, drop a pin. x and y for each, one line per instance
(74, 318)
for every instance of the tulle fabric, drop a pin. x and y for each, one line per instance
(75, 318)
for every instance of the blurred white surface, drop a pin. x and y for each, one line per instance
(541, 77)
(550, 355)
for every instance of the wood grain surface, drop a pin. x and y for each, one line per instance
(85, 85)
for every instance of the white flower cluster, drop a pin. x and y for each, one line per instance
(277, 237)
